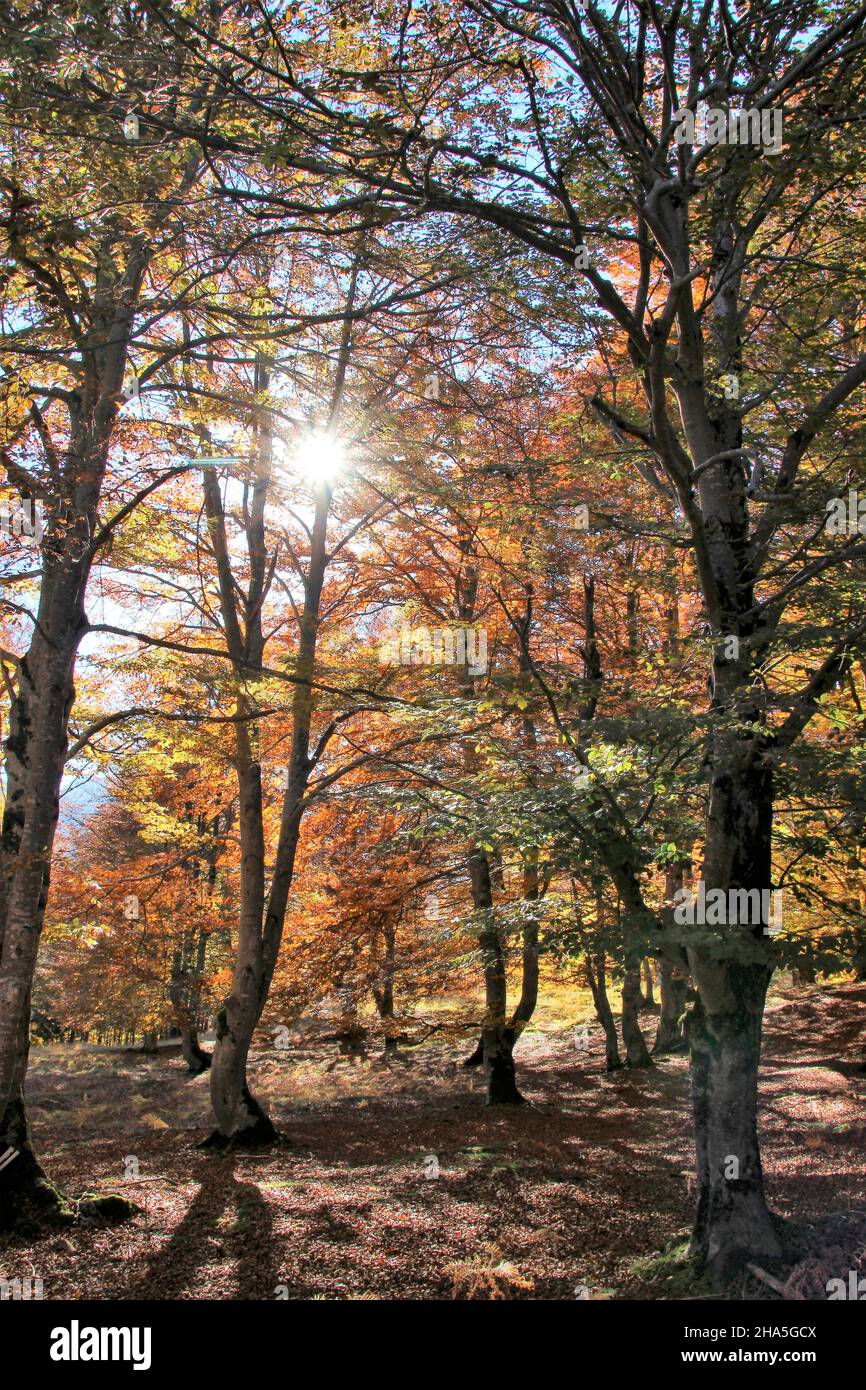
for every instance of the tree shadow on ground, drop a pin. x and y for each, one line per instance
(204, 1235)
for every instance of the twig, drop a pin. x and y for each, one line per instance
(767, 1278)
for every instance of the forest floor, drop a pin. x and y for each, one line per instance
(568, 1194)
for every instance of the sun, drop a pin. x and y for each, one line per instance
(318, 456)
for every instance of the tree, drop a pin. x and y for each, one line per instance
(87, 221)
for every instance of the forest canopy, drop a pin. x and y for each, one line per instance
(431, 559)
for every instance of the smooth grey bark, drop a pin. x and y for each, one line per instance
(596, 974)
(633, 1041)
(185, 995)
(39, 717)
(240, 1118)
(732, 1216)
(495, 1047)
(674, 977)
(494, 1050)
(724, 1034)
(670, 1036)
(496, 1044)
(238, 1114)
(502, 1072)
(529, 957)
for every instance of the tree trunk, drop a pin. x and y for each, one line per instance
(24, 1187)
(36, 755)
(383, 994)
(497, 1040)
(39, 716)
(674, 973)
(636, 1051)
(499, 1069)
(195, 1056)
(631, 620)
(529, 972)
(597, 978)
(648, 1000)
(529, 958)
(670, 1036)
(240, 1119)
(184, 994)
(732, 1224)
(495, 1047)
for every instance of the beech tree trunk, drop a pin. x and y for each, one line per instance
(195, 1056)
(197, 1059)
(36, 754)
(732, 1223)
(634, 1044)
(23, 1186)
(39, 716)
(670, 1036)
(497, 1052)
(597, 978)
(383, 993)
(240, 1118)
(497, 1039)
(495, 1048)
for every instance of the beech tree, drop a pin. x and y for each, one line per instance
(84, 229)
